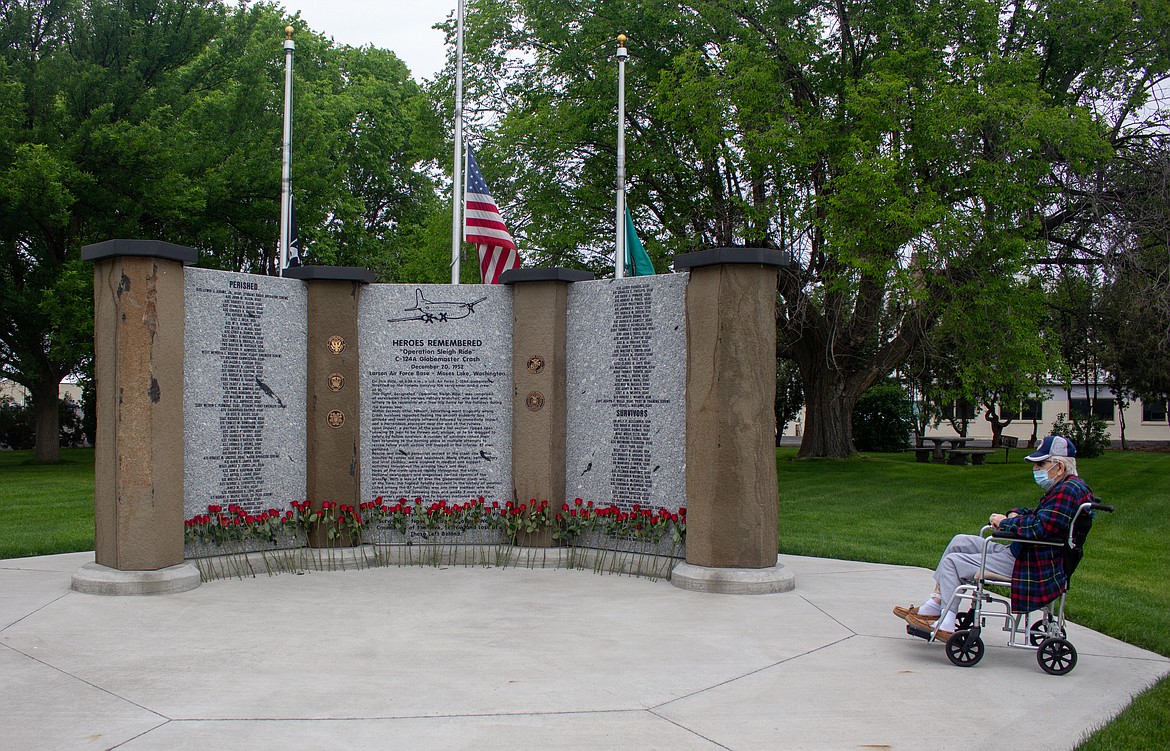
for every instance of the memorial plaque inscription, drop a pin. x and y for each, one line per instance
(627, 411)
(436, 391)
(244, 393)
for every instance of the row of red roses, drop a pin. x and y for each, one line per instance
(220, 526)
(233, 525)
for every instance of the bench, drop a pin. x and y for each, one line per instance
(923, 454)
(1008, 442)
(959, 457)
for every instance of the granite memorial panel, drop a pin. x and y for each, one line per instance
(436, 393)
(244, 392)
(626, 362)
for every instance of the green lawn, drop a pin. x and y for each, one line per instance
(45, 508)
(883, 507)
(888, 508)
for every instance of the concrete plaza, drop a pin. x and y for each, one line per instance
(475, 658)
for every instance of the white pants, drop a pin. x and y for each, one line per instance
(961, 561)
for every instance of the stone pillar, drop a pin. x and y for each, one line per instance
(138, 457)
(539, 306)
(731, 425)
(333, 424)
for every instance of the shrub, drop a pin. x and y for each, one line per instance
(882, 419)
(1088, 434)
(18, 427)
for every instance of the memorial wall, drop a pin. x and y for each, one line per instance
(626, 370)
(244, 392)
(436, 392)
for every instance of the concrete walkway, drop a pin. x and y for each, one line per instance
(473, 658)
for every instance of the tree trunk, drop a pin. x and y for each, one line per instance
(997, 425)
(48, 421)
(828, 429)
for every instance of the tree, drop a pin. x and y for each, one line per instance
(902, 153)
(85, 91)
(1135, 301)
(1074, 303)
(992, 349)
(162, 120)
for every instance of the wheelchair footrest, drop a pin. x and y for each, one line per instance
(921, 633)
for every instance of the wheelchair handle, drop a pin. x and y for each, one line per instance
(1102, 507)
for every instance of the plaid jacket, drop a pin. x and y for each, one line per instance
(1038, 577)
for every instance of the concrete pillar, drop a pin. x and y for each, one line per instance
(539, 306)
(333, 425)
(731, 426)
(138, 457)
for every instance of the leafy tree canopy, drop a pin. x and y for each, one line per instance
(163, 120)
(906, 154)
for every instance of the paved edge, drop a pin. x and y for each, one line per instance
(96, 579)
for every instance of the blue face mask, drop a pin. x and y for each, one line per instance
(1042, 478)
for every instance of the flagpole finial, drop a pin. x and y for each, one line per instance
(621, 40)
(288, 32)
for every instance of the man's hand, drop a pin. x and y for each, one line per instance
(995, 519)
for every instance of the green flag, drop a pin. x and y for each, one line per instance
(637, 262)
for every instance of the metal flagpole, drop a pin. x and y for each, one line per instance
(457, 170)
(285, 172)
(619, 257)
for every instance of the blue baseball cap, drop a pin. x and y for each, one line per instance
(1053, 445)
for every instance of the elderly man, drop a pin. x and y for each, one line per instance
(1036, 571)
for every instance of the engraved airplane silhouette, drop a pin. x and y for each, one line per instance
(431, 310)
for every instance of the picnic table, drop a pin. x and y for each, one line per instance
(938, 454)
(958, 453)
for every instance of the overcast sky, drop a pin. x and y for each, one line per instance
(403, 26)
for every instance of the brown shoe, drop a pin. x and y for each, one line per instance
(905, 613)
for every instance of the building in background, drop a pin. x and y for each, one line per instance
(1144, 421)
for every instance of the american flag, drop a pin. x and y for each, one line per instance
(483, 225)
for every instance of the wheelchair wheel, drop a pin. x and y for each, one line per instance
(965, 648)
(1040, 631)
(964, 621)
(1056, 656)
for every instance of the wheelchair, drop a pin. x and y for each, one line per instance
(1046, 634)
